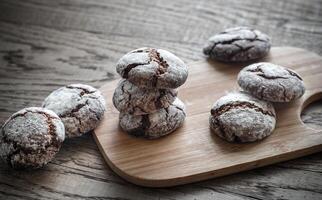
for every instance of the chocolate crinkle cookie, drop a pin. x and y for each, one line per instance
(238, 45)
(31, 137)
(239, 117)
(152, 68)
(128, 98)
(157, 124)
(81, 107)
(271, 82)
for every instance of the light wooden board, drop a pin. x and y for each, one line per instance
(193, 153)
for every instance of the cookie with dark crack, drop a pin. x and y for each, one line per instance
(240, 117)
(271, 82)
(153, 68)
(31, 137)
(81, 107)
(238, 44)
(157, 124)
(128, 98)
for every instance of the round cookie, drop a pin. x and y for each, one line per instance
(81, 107)
(271, 82)
(152, 68)
(239, 117)
(133, 100)
(31, 137)
(238, 45)
(157, 124)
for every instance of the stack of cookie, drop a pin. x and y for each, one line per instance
(147, 96)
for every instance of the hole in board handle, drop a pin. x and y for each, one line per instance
(311, 114)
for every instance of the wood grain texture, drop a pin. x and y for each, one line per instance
(46, 44)
(193, 153)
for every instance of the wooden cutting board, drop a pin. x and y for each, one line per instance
(193, 153)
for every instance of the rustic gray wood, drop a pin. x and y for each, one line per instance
(48, 44)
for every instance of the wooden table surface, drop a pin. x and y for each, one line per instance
(47, 44)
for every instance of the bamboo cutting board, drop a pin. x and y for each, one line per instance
(193, 153)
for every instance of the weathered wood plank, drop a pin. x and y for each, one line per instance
(47, 44)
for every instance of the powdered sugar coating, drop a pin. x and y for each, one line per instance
(31, 137)
(238, 44)
(271, 82)
(239, 117)
(157, 124)
(81, 107)
(152, 68)
(131, 99)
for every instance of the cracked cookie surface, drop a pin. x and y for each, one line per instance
(31, 137)
(271, 82)
(157, 124)
(238, 44)
(240, 117)
(128, 98)
(152, 68)
(80, 107)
